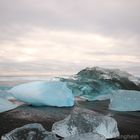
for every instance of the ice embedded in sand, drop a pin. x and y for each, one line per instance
(86, 136)
(85, 121)
(125, 100)
(29, 132)
(51, 93)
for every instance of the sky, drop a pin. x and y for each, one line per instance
(60, 37)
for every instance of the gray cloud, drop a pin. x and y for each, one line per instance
(111, 17)
(116, 20)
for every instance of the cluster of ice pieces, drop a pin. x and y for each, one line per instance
(30, 132)
(38, 132)
(85, 121)
(52, 93)
(90, 83)
(81, 124)
(122, 88)
(96, 83)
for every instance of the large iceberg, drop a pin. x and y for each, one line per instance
(86, 136)
(29, 132)
(125, 100)
(85, 121)
(52, 93)
(92, 82)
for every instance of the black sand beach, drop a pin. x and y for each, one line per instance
(128, 122)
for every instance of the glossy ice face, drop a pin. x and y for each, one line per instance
(33, 131)
(93, 82)
(82, 121)
(125, 100)
(52, 93)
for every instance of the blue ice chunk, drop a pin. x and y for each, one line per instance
(125, 100)
(39, 93)
(90, 83)
(6, 105)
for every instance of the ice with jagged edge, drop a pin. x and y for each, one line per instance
(33, 131)
(40, 93)
(86, 136)
(86, 121)
(90, 83)
(125, 100)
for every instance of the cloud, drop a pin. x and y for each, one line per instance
(111, 17)
(44, 35)
(59, 51)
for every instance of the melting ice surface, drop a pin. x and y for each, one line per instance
(52, 93)
(36, 131)
(86, 136)
(85, 121)
(93, 82)
(100, 84)
(30, 132)
(125, 100)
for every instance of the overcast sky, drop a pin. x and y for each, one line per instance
(64, 36)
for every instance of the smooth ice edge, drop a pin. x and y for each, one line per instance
(30, 131)
(6, 105)
(40, 93)
(125, 100)
(83, 121)
(86, 136)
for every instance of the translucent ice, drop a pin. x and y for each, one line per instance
(29, 132)
(125, 100)
(6, 105)
(85, 121)
(52, 93)
(86, 136)
(93, 82)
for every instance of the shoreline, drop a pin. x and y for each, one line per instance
(128, 122)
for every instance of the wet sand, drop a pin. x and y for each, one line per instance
(128, 122)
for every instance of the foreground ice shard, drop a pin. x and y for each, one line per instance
(85, 121)
(29, 132)
(92, 82)
(52, 93)
(125, 100)
(6, 105)
(86, 136)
